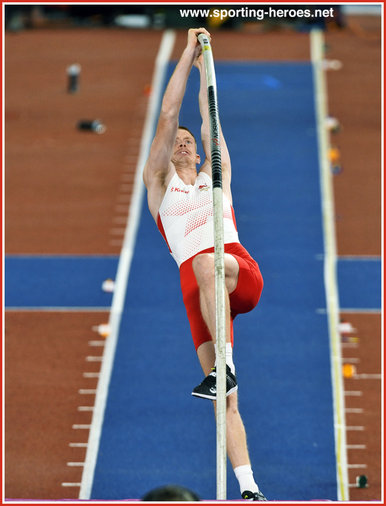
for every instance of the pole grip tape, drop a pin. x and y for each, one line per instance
(215, 139)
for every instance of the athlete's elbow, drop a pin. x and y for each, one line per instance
(169, 112)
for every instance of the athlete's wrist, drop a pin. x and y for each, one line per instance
(187, 58)
(189, 52)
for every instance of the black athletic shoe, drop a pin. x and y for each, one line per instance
(253, 496)
(207, 389)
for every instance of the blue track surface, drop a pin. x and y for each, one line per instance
(154, 432)
(58, 281)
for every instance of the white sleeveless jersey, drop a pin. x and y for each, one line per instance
(185, 218)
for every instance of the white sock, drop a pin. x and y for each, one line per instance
(244, 474)
(228, 356)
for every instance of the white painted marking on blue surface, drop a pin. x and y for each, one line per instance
(124, 265)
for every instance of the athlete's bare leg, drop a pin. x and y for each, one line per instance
(203, 267)
(236, 437)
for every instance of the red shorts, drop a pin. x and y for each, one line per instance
(243, 299)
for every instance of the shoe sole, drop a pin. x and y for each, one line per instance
(212, 397)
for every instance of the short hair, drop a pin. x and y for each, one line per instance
(180, 127)
(171, 493)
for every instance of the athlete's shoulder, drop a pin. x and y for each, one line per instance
(156, 190)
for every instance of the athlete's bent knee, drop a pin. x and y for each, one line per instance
(203, 268)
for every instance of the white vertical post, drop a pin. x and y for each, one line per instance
(330, 256)
(218, 266)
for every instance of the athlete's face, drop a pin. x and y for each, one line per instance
(185, 150)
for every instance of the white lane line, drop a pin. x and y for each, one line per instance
(118, 231)
(121, 209)
(365, 376)
(125, 187)
(115, 242)
(124, 264)
(356, 411)
(330, 262)
(91, 375)
(121, 220)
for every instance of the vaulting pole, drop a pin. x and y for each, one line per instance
(219, 267)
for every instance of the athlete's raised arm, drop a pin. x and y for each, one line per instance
(205, 132)
(159, 165)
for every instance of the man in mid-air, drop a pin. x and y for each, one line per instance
(180, 201)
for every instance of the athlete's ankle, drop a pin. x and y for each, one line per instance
(244, 475)
(228, 356)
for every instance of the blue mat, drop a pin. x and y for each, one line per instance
(154, 432)
(58, 281)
